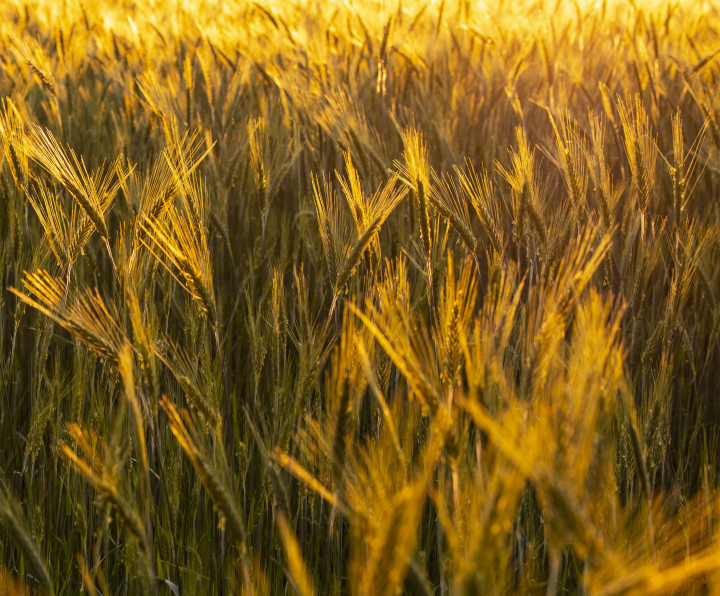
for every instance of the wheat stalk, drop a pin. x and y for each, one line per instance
(12, 516)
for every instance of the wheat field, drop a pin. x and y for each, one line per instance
(371, 297)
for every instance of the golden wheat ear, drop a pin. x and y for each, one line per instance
(389, 553)
(183, 156)
(172, 173)
(606, 195)
(345, 387)
(414, 171)
(29, 52)
(358, 204)
(353, 192)
(343, 258)
(569, 156)
(269, 166)
(177, 244)
(380, 206)
(84, 314)
(333, 231)
(52, 217)
(66, 235)
(405, 339)
(522, 178)
(185, 373)
(641, 151)
(455, 312)
(448, 201)
(13, 136)
(94, 192)
(343, 119)
(479, 190)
